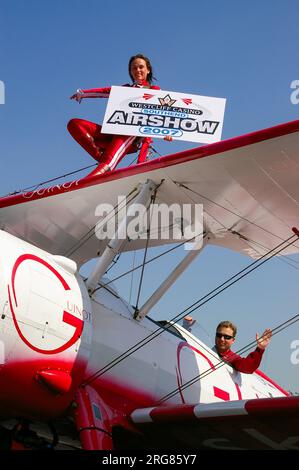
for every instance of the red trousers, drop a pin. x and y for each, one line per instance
(107, 149)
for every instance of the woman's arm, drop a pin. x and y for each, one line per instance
(91, 93)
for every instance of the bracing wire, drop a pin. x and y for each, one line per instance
(153, 198)
(97, 227)
(195, 306)
(226, 209)
(226, 284)
(221, 363)
(34, 187)
(154, 258)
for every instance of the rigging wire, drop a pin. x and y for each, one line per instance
(37, 185)
(226, 209)
(221, 363)
(152, 201)
(82, 241)
(132, 277)
(288, 261)
(149, 261)
(253, 266)
(113, 263)
(90, 233)
(226, 284)
(34, 187)
(285, 259)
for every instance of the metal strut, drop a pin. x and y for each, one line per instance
(182, 266)
(115, 244)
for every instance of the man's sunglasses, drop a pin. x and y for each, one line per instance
(219, 335)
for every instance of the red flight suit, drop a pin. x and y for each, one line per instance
(248, 364)
(107, 149)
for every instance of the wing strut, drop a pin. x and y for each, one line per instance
(182, 266)
(116, 243)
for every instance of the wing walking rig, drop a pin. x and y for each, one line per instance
(74, 351)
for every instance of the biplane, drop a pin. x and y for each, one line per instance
(91, 368)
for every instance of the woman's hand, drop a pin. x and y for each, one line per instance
(77, 96)
(168, 138)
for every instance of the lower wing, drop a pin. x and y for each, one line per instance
(266, 423)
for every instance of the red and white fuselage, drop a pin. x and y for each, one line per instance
(54, 338)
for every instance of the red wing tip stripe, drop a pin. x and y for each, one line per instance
(187, 412)
(164, 414)
(254, 406)
(172, 413)
(271, 406)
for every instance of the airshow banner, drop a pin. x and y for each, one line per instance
(159, 113)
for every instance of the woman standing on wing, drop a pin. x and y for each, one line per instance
(109, 149)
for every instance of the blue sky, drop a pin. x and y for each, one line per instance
(246, 52)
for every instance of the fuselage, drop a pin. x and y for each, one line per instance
(45, 339)
(54, 339)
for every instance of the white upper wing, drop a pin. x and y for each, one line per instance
(248, 187)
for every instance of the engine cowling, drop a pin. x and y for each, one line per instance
(45, 330)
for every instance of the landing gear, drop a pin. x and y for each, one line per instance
(25, 438)
(93, 420)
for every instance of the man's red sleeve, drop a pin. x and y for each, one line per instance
(247, 364)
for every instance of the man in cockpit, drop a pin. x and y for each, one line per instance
(225, 337)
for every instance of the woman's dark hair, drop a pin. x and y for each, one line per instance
(150, 76)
